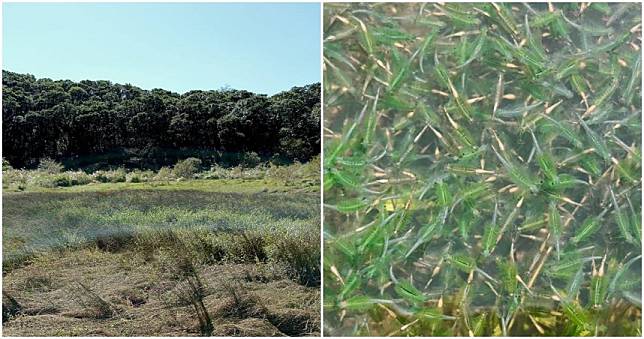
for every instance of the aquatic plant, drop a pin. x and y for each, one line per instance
(482, 169)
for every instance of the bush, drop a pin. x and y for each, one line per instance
(296, 172)
(278, 160)
(13, 177)
(137, 176)
(6, 165)
(50, 166)
(118, 176)
(134, 177)
(282, 173)
(164, 174)
(215, 172)
(79, 178)
(146, 176)
(257, 172)
(251, 159)
(186, 168)
(101, 176)
(61, 180)
(311, 169)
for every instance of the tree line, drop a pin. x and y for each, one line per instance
(63, 119)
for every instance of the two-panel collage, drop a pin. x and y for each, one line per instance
(336, 169)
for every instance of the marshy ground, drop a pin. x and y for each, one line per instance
(236, 257)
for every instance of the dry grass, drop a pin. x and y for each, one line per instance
(147, 297)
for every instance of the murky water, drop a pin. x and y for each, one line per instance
(482, 169)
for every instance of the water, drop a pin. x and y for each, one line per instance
(482, 175)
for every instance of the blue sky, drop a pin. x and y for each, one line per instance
(260, 47)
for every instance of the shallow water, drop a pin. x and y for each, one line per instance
(482, 175)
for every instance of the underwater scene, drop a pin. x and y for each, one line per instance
(482, 169)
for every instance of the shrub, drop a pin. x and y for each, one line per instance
(164, 174)
(281, 173)
(278, 160)
(13, 176)
(257, 172)
(215, 172)
(146, 176)
(50, 166)
(133, 177)
(79, 178)
(311, 169)
(101, 176)
(61, 180)
(6, 165)
(140, 176)
(118, 176)
(186, 168)
(38, 178)
(251, 159)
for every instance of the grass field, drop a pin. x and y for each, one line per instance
(194, 257)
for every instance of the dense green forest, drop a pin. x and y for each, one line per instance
(75, 121)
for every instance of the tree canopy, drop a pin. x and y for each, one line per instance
(64, 119)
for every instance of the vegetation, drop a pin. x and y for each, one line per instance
(132, 212)
(51, 176)
(229, 256)
(97, 122)
(482, 171)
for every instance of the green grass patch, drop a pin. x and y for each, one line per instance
(219, 225)
(203, 185)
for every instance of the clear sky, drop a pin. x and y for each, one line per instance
(260, 47)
